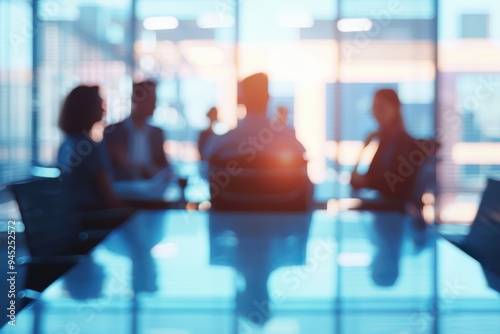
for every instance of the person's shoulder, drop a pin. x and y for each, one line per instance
(286, 130)
(207, 132)
(372, 136)
(217, 140)
(119, 124)
(407, 138)
(154, 128)
(155, 131)
(79, 148)
(219, 143)
(63, 147)
(407, 142)
(112, 129)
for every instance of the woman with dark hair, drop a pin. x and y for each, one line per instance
(389, 172)
(83, 162)
(395, 172)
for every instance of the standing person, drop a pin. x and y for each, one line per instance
(135, 147)
(83, 162)
(207, 134)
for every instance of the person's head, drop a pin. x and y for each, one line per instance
(212, 115)
(387, 110)
(82, 108)
(144, 98)
(254, 92)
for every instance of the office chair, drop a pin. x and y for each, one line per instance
(55, 233)
(483, 241)
(266, 183)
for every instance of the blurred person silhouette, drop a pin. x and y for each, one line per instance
(206, 134)
(83, 162)
(88, 278)
(135, 148)
(137, 243)
(387, 238)
(388, 233)
(395, 167)
(282, 115)
(255, 246)
(85, 280)
(260, 165)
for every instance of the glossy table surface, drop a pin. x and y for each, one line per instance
(180, 272)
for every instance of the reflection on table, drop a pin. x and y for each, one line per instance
(179, 271)
(255, 245)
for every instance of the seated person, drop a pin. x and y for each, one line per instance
(259, 165)
(395, 165)
(206, 134)
(136, 148)
(83, 162)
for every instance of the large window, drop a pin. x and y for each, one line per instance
(294, 42)
(82, 42)
(325, 59)
(189, 47)
(16, 40)
(469, 93)
(383, 44)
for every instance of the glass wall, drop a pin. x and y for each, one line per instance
(189, 48)
(383, 44)
(81, 42)
(324, 58)
(16, 39)
(469, 96)
(294, 43)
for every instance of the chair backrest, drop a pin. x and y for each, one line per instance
(483, 240)
(51, 226)
(267, 183)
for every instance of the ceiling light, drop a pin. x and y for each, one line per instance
(160, 23)
(354, 25)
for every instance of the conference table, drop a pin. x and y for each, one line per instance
(191, 271)
(167, 189)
